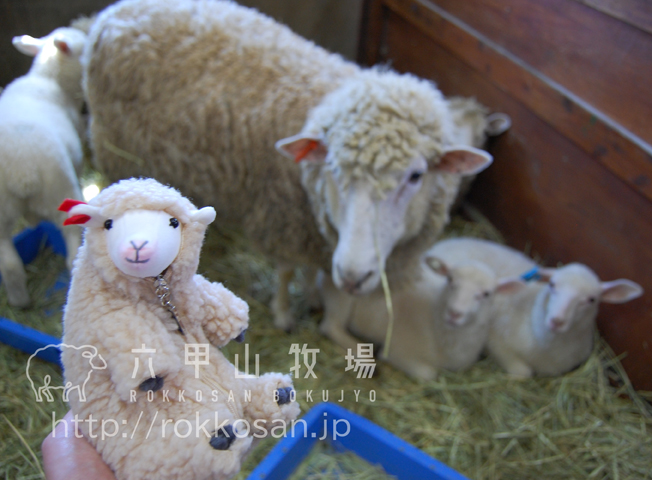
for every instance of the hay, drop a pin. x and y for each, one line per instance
(587, 424)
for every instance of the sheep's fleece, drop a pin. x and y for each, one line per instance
(120, 314)
(203, 90)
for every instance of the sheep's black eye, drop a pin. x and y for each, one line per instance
(415, 177)
(174, 223)
(108, 224)
(486, 294)
(592, 299)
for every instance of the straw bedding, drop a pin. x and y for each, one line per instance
(587, 424)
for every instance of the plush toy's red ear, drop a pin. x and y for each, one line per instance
(66, 206)
(76, 220)
(68, 203)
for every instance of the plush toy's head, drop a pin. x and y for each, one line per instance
(141, 225)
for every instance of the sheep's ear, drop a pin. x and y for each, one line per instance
(438, 266)
(62, 46)
(545, 274)
(620, 291)
(28, 45)
(463, 160)
(510, 285)
(205, 215)
(497, 123)
(302, 148)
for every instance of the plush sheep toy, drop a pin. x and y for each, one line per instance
(168, 404)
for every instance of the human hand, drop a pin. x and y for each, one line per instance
(70, 457)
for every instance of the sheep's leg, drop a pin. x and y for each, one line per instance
(13, 274)
(312, 292)
(337, 311)
(283, 318)
(514, 366)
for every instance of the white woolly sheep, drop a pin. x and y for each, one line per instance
(202, 90)
(549, 329)
(136, 298)
(441, 317)
(40, 146)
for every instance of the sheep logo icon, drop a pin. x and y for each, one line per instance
(87, 352)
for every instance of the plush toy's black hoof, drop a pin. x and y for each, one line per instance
(284, 395)
(223, 439)
(240, 338)
(153, 384)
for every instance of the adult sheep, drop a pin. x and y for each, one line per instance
(196, 94)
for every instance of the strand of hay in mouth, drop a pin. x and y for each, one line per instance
(386, 292)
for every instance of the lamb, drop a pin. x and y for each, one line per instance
(40, 146)
(136, 299)
(504, 261)
(442, 316)
(549, 329)
(204, 89)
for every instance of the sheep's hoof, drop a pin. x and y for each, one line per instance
(153, 384)
(240, 338)
(284, 395)
(223, 439)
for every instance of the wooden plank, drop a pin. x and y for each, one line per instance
(371, 40)
(635, 12)
(546, 193)
(601, 59)
(624, 154)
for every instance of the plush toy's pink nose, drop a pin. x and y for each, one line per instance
(137, 250)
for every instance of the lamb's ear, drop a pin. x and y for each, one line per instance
(545, 274)
(81, 213)
(28, 45)
(620, 291)
(510, 285)
(438, 266)
(204, 215)
(62, 46)
(302, 148)
(463, 160)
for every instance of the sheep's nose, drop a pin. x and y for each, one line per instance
(352, 282)
(556, 323)
(453, 316)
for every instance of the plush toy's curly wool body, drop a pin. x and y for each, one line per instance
(121, 314)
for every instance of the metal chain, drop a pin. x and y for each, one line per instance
(162, 290)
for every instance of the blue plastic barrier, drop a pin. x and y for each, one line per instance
(26, 339)
(365, 438)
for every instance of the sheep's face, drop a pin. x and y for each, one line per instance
(143, 243)
(374, 211)
(369, 226)
(574, 292)
(469, 288)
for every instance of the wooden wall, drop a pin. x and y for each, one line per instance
(572, 179)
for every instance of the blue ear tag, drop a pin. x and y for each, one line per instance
(531, 275)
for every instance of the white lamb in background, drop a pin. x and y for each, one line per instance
(40, 146)
(549, 329)
(197, 93)
(441, 317)
(503, 260)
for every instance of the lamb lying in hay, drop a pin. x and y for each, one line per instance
(205, 89)
(136, 298)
